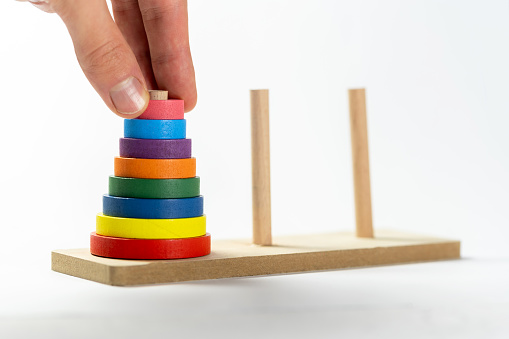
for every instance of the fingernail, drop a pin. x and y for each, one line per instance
(129, 96)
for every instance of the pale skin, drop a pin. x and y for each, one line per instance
(145, 47)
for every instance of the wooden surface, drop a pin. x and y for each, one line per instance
(360, 159)
(260, 153)
(158, 95)
(239, 258)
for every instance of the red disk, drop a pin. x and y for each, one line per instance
(164, 110)
(148, 249)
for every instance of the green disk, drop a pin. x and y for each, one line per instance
(154, 188)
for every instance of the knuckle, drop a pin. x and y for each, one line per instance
(179, 55)
(107, 57)
(121, 6)
(153, 13)
(158, 11)
(161, 59)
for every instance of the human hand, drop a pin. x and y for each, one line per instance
(146, 47)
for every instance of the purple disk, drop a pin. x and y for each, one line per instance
(155, 148)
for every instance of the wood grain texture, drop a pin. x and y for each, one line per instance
(260, 153)
(360, 159)
(158, 95)
(239, 258)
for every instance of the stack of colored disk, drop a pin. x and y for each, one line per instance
(154, 209)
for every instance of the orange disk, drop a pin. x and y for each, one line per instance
(155, 168)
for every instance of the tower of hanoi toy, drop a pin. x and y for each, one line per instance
(153, 209)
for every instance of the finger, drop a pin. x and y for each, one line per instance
(168, 37)
(104, 55)
(128, 18)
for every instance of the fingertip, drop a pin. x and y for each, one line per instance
(130, 98)
(190, 103)
(131, 115)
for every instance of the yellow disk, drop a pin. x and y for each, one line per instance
(150, 228)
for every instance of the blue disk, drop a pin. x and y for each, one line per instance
(152, 208)
(154, 129)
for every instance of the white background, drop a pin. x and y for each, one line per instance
(436, 74)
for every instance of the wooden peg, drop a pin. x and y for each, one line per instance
(360, 157)
(260, 152)
(158, 95)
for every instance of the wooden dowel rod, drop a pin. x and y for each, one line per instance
(158, 95)
(360, 157)
(260, 153)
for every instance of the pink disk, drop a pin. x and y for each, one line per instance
(164, 110)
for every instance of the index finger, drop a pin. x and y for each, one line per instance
(166, 25)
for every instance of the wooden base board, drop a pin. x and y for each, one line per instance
(291, 254)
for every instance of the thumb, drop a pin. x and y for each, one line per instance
(104, 55)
